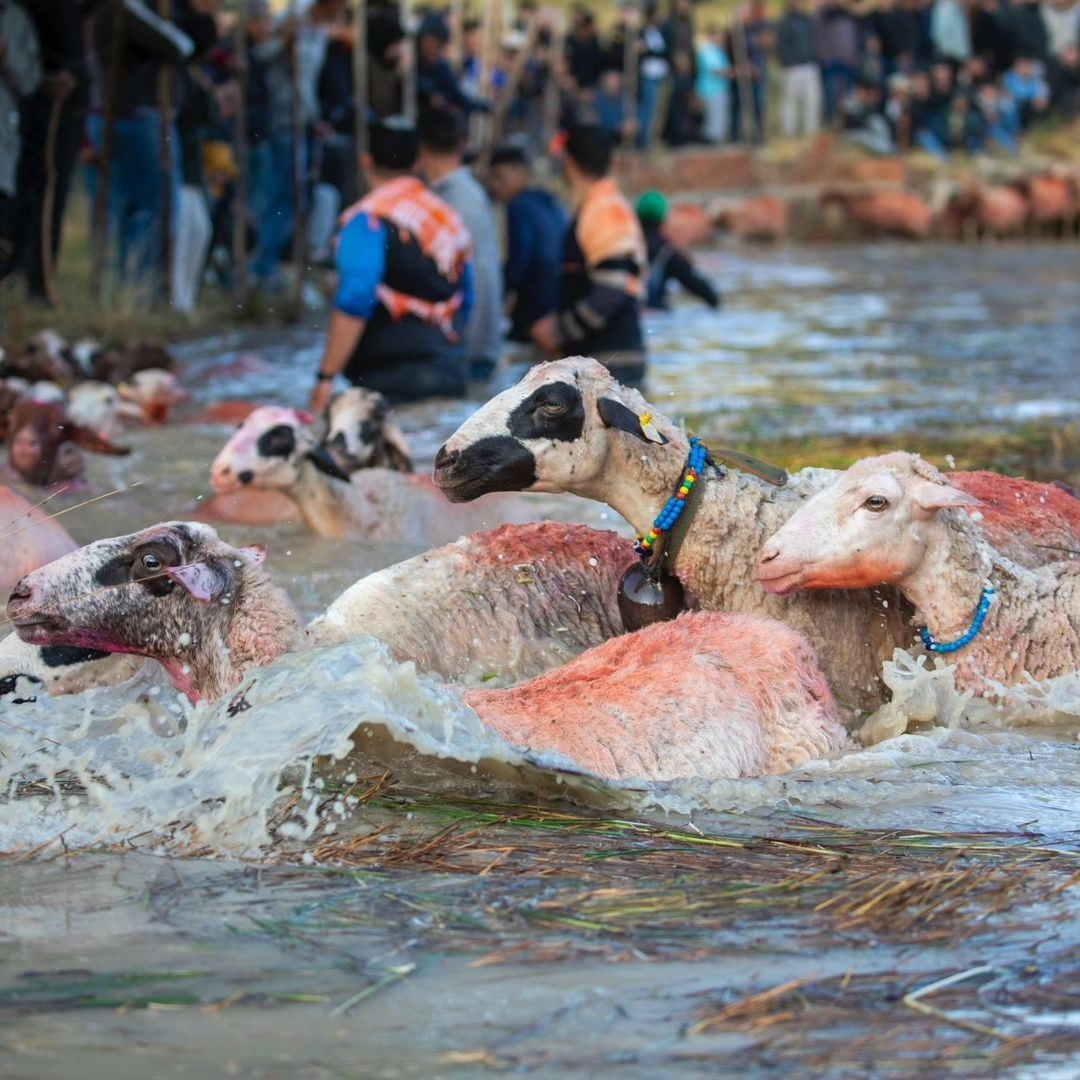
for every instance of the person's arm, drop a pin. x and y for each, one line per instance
(361, 260)
(20, 57)
(613, 282)
(683, 271)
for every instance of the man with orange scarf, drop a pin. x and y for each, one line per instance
(604, 266)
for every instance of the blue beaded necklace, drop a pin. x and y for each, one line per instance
(673, 508)
(933, 646)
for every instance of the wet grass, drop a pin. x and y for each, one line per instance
(1036, 451)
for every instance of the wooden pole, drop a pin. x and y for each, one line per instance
(108, 127)
(165, 160)
(509, 90)
(299, 239)
(457, 32)
(408, 90)
(556, 70)
(48, 269)
(630, 78)
(746, 89)
(360, 80)
(240, 140)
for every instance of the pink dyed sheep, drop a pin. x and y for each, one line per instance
(894, 519)
(708, 695)
(29, 538)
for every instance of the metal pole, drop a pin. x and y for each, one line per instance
(165, 159)
(101, 202)
(299, 245)
(240, 185)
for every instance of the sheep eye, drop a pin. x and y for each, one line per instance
(553, 408)
(151, 562)
(876, 503)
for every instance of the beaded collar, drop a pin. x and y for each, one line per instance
(972, 632)
(674, 507)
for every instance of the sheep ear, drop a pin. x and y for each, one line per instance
(201, 581)
(91, 440)
(616, 415)
(932, 497)
(397, 449)
(320, 457)
(254, 553)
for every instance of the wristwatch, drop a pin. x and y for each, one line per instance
(324, 377)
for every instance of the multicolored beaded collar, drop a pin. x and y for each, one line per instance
(673, 508)
(985, 600)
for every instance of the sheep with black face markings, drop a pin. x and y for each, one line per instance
(493, 608)
(568, 426)
(361, 435)
(275, 449)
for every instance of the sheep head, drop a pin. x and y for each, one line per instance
(554, 431)
(42, 443)
(268, 451)
(360, 434)
(164, 593)
(870, 527)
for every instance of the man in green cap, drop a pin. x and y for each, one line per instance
(666, 261)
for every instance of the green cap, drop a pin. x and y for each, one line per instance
(652, 207)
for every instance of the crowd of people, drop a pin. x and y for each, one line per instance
(188, 114)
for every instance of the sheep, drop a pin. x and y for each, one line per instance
(1053, 202)
(28, 538)
(174, 593)
(496, 607)
(96, 407)
(275, 449)
(998, 211)
(889, 213)
(569, 426)
(893, 519)
(42, 443)
(676, 700)
(764, 218)
(493, 609)
(150, 395)
(359, 434)
(120, 365)
(708, 695)
(43, 359)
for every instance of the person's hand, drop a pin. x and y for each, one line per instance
(320, 396)
(545, 334)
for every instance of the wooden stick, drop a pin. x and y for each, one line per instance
(630, 79)
(299, 239)
(108, 128)
(408, 90)
(48, 270)
(165, 160)
(240, 184)
(360, 79)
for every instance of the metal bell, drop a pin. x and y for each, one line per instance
(644, 600)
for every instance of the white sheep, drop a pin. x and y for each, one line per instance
(708, 695)
(275, 449)
(493, 608)
(895, 519)
(361, 435)
(568, 426)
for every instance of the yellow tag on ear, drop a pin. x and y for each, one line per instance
(648, 430)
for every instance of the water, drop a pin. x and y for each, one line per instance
(819, 341)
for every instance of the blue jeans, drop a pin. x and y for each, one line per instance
(135, 190)
(649, 99)
(838, 80)
(931, 143)
(273, 201)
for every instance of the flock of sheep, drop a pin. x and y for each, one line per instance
(797, 594)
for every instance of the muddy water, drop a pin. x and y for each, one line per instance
(223, 967)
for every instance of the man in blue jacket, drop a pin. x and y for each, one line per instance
(535, 227)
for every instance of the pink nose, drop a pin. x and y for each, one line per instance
(768, 553)
(21, 599)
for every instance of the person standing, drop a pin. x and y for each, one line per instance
(63, 93)
(714, 86)
(666, 261)
(404, 283)
(800, 95)
(535, 226)
(654, 67)
(837, 53)
(440, 161)
(602, 280)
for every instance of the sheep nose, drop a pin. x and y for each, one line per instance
(444, 459)
(246, 476)
(768, 553)
(20, 599)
